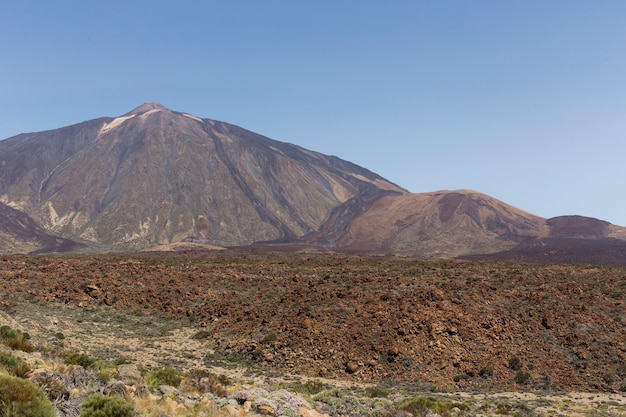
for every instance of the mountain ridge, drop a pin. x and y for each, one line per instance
(153, 177)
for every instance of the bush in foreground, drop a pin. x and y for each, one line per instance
(21, 398)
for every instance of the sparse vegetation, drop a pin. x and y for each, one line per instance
(421, 406)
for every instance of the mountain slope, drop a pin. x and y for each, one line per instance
(21, 234)
(155, 176)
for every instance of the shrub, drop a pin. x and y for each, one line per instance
(7, 332)
(460, 377)
(522, 377)
(486, 372)
(515, 363)
(79, 359)
(377, 392)
(16, 339)
(164, 376)
(269, 338)
(105, 372)
(201, 380)
(309, 387)
(21, 398)
(98, 405)
(13, 365)
(420, 406)
(122, 361)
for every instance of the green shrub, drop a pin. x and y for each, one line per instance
(79, 359)
(21, 398)
(377, 392)
(13, 365)
(105, 372)
(486, 372)
(98, 405)
(224, 380)
(6, 332)
(269, 338)
(460, 377)
(164, 376)
(16, 339)
(515, 363)
(522, 377)
(122, 361)
(421, 406)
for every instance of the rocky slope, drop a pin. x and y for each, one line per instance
(20, 233)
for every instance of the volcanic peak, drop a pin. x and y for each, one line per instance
(147, 107)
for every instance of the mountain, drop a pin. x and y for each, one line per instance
(157, 178)
(154, 176)
(442, 224)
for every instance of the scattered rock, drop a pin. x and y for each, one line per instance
(265, 409)
(128, 373)
(352, 367)
(168, 391)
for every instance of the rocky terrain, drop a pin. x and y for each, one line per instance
(158, 369)
(447, 323)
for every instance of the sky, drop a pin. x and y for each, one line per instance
(521, 100)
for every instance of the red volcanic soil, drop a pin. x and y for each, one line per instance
(452, 324)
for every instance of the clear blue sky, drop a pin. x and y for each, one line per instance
(521, 100)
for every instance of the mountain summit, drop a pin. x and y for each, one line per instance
(154, 177)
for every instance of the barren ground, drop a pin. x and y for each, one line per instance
(429, 325)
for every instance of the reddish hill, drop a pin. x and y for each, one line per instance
(438, 224)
